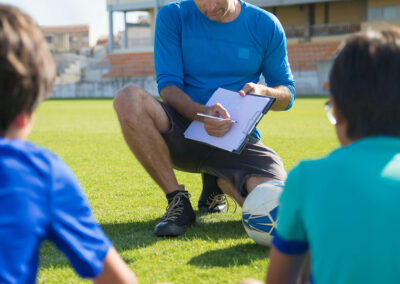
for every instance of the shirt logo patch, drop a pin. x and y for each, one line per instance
(244, 53)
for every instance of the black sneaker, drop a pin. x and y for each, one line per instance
(179, 215)
(211, 200)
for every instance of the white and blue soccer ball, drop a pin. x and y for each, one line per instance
(260, 212)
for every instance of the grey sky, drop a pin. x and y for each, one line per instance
(70, 12)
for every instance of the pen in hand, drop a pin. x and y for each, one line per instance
(214, 117)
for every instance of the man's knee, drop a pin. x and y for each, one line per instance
(128, 96)
(128, 102)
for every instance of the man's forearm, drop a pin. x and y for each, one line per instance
(280, 93)
(188, 108)
(182, 103)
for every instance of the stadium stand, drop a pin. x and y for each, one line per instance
(302, 57)
(124, 65)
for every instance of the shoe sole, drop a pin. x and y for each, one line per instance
(172, 230)
(217, 209)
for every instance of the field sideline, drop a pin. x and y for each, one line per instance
(128, 204)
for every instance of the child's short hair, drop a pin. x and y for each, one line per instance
(27, 68)
(365, 83)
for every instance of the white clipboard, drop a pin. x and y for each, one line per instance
(247, 111)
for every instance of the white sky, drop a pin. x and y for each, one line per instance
(71, 12)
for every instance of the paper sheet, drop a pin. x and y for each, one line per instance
(245, 110)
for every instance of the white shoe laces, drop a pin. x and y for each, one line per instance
(217, 199)
(175, 207)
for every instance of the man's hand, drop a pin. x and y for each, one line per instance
(216, 127)
(252, 88)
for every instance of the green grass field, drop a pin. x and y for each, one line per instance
(128, 204)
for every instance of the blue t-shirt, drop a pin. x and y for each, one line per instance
(344, 207)
(199, 55)
(40, 199)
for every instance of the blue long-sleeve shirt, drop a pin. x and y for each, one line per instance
(199, 55)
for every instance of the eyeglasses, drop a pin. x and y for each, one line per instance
(329, 112)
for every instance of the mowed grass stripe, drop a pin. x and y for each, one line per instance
(128, 204)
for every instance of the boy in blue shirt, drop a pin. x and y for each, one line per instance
(40, 198)
(343, 208)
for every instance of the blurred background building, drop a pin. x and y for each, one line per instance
(314, 30)
(64, 39)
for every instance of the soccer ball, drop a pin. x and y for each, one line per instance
(260, 212)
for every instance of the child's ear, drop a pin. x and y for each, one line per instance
(336, 111)
(22, 120)
(341, 124)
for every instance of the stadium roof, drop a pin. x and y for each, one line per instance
(65, 29)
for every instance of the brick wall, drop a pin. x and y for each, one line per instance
(124, 65)
(302, 57)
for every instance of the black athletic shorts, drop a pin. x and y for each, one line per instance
(191, 156)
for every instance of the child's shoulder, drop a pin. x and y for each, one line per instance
(22, 155)
(330, 159)
(23, 148)
(313, 173)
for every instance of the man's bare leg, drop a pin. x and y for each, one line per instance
(228, 188)
(142, 119)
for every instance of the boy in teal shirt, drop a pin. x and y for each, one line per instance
(343, 208)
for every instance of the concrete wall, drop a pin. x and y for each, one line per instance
(339, 12)
(323, 70)
(382, 3)
(314, 82)
(347, 12)
(290, 15)
(272, 3)
(319, 14)
(306, 82)
(106, 88)
(61, 43)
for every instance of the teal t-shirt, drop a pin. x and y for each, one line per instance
(345, 208)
